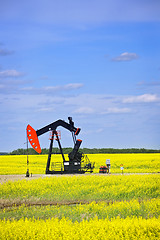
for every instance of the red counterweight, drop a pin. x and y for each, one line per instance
(33, 139)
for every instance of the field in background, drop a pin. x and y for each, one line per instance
(133, 163)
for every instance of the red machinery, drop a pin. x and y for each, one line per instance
(105, 169)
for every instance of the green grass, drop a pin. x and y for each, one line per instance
(124, 209)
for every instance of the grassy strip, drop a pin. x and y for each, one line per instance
(78, 212)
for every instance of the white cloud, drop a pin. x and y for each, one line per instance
(124, 57)
(10, 73)
(28, 89)
(94, 111)
(96, 104)
(81, 104)
(69, 86)
(117, 110)
(84, 110)
(73, 85)
(45, 109)
(145, 98)
(51, 89)
(76, 104)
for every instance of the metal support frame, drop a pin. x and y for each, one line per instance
(48, 171)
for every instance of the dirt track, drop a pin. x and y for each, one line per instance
(5, 178)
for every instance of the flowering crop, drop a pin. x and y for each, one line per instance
(133, 163)
(89, 206)
(129, 228)
(81, 188)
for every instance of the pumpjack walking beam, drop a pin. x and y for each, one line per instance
(54, 125)
(33, 135)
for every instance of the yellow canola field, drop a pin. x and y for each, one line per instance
(87, 187)
(99, 229)
(120, 206)
(132, 163)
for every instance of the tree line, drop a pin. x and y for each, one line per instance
(31, 151)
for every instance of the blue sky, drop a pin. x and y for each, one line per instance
(95, 60)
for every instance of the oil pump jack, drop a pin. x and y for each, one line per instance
(78, 162)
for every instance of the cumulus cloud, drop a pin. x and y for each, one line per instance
(145, 98)
(124, 57)
(10, 73)
(106, 104)
(96, 104)
(79, 104)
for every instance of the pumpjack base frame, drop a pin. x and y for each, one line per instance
(65, 172)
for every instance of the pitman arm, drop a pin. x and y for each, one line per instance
(56, 124)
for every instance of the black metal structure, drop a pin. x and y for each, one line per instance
(78, 162)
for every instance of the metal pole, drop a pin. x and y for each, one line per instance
(50, 153)
(27, 152)
(27, 173)
(59, 144)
